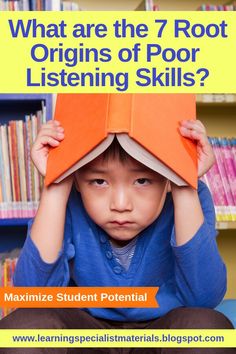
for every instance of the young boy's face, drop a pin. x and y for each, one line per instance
(123, 198)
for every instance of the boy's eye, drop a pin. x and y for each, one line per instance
(142, 181)
(98, 182)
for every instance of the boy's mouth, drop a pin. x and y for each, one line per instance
(121, 223)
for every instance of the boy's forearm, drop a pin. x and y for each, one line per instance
(187, 213)
(48, 227)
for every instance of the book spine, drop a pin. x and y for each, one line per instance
(11, 162)
(10, 4)
(211, 7)
(26, 5)
(34, 5)
(7, 268)
(26, 161)
(22, 136)
(4, 284)
(31, 162)
(44, 113)
(36, 176)
(56, 5)
(6, 163)
(48, 5)
(16, 161)
(28, 158)
(1, 314)
(2, 169)
(19, 127)
(1, 196)
(41, 119)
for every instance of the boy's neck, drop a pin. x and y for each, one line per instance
(119, 243)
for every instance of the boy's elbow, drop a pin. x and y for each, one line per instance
(209, 300)
(209, 294)
(215, 298)
(215, 294)
(219, 292)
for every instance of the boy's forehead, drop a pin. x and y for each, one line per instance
(101, 164)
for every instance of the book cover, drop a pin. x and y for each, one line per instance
(147, 121)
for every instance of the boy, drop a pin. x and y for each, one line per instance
(120, 226)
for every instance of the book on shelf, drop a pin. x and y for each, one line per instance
(233, 148)
(216, 98)
(211, 7)
(146, 5)
(221, 178)
(146, 126)
(69, 6)
(20, 182)
(8, 262)
(5, 165)
(38, 5)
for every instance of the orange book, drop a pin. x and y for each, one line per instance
(146, 126)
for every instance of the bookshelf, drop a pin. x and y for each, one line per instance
(15, 107)
(220, 120)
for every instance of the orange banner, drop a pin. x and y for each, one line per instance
(22, 297)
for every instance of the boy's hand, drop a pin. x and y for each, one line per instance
(50, 134)
(195, 130)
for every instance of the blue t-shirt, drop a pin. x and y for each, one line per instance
(192, 274)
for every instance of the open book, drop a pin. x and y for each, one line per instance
(146, 126)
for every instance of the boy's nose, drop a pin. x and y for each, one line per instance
(120, 200)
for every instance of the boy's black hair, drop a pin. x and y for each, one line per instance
(114, 151)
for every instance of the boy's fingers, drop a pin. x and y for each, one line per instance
(194, 134)
(200, 124)
(53, 122)
(194, 124)
(193, 128)
(56, 133)
(46, 140)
